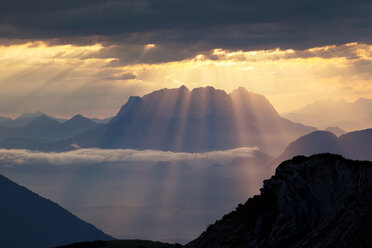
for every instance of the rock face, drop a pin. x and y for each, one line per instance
(318, 201)
(202, 119)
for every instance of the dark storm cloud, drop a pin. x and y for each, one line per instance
(184, 28)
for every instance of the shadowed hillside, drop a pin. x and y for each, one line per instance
(354, 145)
(28, 220)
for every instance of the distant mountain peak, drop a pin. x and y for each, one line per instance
(30, 115)
(240, 89)
(41, 122)
(183, 87)
(313, 143)
(76, 119)
(43, 118)
(202, 119)
(78, 116)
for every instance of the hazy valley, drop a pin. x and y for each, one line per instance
(168, 164)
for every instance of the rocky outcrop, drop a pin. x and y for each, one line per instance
(318, 201)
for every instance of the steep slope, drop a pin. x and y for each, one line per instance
(318, 201)
(28, 220)
(313, 143)
(199, 120)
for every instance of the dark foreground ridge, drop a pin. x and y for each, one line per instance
(318, 201)
(29, 220)
(122, 244)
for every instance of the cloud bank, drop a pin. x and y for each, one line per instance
(187, 27)
(13, 157)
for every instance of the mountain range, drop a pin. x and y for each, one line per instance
(29, 220)
(26, 118)
(202, 119)
(348, 116)
(354, 145)
(44, 128)
(198, 120)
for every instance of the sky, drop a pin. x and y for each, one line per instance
(88, 57)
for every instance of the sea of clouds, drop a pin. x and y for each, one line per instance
(10, 157)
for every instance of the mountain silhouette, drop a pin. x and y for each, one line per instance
(355, 145)
(313, 143)
(348, 116)
(358, 144)
(28, 220)
(318, 201)
(76, 125)
(199, 120)
(42, 129)
(335, 130)
(26, 118)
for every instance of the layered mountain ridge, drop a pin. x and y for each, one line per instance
(348, 116)
(44, 127)
(353, 145)
(197, 120)
(202, 119)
